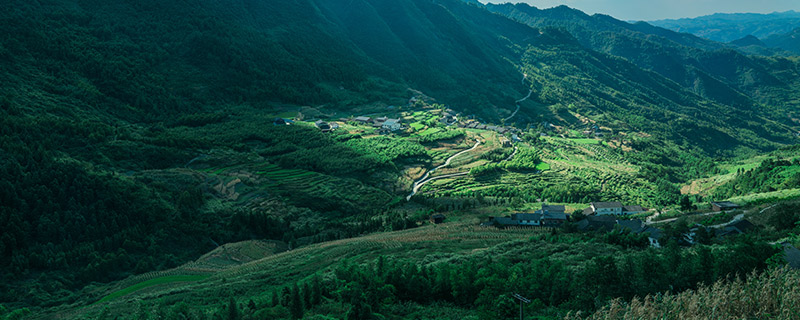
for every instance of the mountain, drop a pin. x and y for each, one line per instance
(139, 135)
(789, 41)
(748, 40)
(704, 68)
(727, 27)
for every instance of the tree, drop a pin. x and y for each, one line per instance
(296, 303)
(233, 310)
(686, 203)
(316, 291)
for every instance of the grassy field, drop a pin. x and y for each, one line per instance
(438, 243)
(586, 141)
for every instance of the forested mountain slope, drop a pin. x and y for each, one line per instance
(703, 67)
(127, 127)
(788, 41)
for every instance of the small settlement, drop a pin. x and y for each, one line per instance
(600, 216)
(548, 216)
(607, 217)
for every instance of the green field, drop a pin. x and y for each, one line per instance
(542, 166)
(430, 131)
(586, 141)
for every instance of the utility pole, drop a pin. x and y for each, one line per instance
(521, 300)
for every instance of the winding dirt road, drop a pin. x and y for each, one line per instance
(422, 181)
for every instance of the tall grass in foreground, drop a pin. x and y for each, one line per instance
(774, 294)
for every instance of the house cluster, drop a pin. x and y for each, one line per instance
(548, 216)
(383, 124)
(612, 208)
(594, 131)
(473, 124)
(449, 117)
(609, 222)
(282, 122)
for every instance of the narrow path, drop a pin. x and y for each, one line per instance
(530, 92)
(195, 159)
(422, 181)
(512, 154)
(735, 219)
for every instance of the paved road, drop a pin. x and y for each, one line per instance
(422, 181)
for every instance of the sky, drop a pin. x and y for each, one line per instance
(664, 9)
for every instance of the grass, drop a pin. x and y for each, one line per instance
(417, 126)
(151, 283)
(769, 295)
(430, 131)
(585, 141)
(542, 166)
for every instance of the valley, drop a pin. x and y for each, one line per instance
(369, 159)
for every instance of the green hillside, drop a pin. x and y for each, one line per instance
(139, 136)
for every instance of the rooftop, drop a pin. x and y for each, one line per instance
(725, 204)
(607, 205)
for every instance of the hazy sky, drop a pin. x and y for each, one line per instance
(664, 9)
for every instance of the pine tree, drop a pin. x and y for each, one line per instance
(275, 300)
(233, 310)
(296, 303)
(316, 291)
(307, 295)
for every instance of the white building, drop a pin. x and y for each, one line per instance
(603, 208)
(392, 124)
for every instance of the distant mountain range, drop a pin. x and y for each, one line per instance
(727, 27)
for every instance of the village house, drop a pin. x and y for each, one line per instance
(628, 210)
(612, 208)
(505, 142)
(392, 124)
(381, 119)
(639, 227)
(603, 208)
(607, 223)
(322, 125)
(282, 122)
(724, 206)
(449, 118)
(548, 216)
(362, 119)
